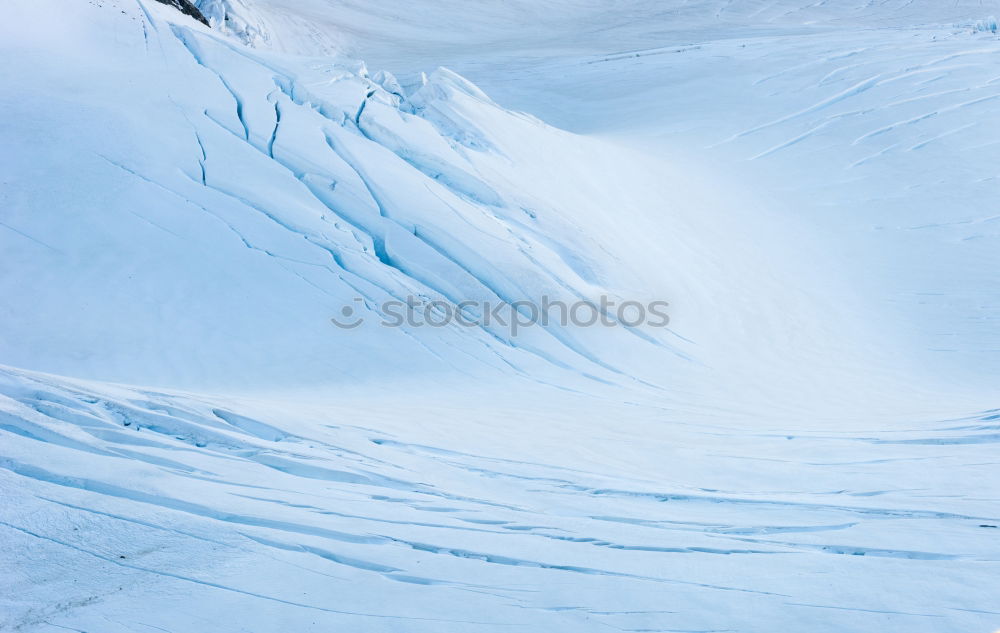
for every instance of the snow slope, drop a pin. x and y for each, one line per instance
(133, 509)
(184, 210)
(872, 122)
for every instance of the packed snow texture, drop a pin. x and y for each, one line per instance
(188, 444)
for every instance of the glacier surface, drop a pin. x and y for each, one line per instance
(187, 443)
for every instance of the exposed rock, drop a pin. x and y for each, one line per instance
(185, 7)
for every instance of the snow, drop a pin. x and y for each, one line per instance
(188, 444)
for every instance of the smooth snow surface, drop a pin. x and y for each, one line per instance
(187, 443)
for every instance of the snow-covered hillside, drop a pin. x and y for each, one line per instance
(188, 441)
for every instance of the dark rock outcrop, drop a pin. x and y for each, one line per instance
(185, 7)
